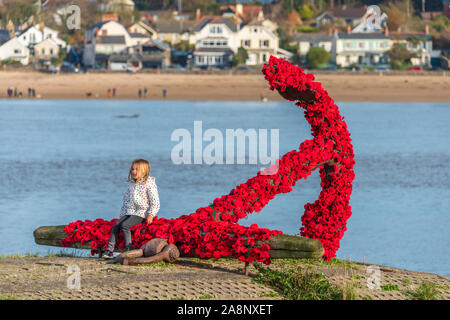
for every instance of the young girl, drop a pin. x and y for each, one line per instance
(140, 203)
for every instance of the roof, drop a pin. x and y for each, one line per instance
(353, 13)
(313, 37)
(363, 35)
(138, 35)
(4, 36)
(112, 39)
(175, 26)
(211, 20)
(214, 50)
(136, 57)
(406, 35)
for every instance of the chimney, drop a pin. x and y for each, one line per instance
(386, 31)
(349, 29)
(197, 15)
(427, 29)
(239, 9)
(110, 17)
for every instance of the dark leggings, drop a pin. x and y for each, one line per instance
(124, 224)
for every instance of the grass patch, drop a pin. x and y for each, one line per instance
(7, 297)
(205, 297)
(389, 287)
(426, 291)
(157, 264)
(297, 285)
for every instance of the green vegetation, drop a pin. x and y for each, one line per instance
(389, 287)
(426, 291)
(399, 56)
(294, 284)
(317, 56)
(206, 297)
(240, 57)
(7, 297)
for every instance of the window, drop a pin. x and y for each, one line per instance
(215, 29)
(17, 51)
(246, 43)
(265, 43)
(255, 30)
(361, 45)
(43, 51)
(51, 51)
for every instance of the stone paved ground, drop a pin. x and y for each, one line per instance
(47, 278)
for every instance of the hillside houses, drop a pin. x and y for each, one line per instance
(34, 42)
(366, 48)
(159, 39)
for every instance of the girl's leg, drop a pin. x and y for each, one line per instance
(125, 227)
(115, 233)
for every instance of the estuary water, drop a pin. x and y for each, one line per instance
(63, 161)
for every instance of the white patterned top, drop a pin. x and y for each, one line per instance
(141, 199)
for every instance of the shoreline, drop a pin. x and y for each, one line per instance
(45, 278)
(213, 87)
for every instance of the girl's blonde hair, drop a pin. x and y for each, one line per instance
(143, 167)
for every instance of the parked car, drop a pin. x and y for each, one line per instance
(331, 68)
(382, 69)
(244, 68)
(175, 67)
(414, 68)
(66, 67)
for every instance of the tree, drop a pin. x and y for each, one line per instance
(399, 56)
(240, 57)
(317, 56)
(306, 13)
(395, 16)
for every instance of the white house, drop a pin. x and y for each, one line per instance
(215, 42)
(38, 33)
(217, 39)
(306, 41)
(14, 49)
(46, 49)
(259, 41)
(106, 38)
(361, 48)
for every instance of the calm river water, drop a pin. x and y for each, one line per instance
(67, 160)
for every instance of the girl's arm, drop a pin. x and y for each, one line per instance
(125, 200)
(153, 199)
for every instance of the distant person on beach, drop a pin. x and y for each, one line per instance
(114, 92)
(108, 94)
(145, 92)
(29, 92)
(33, 92)
(140, 204)
(10, 92)
(140, 93)
(164, 92)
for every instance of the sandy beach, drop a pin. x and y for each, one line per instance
(341, 87)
